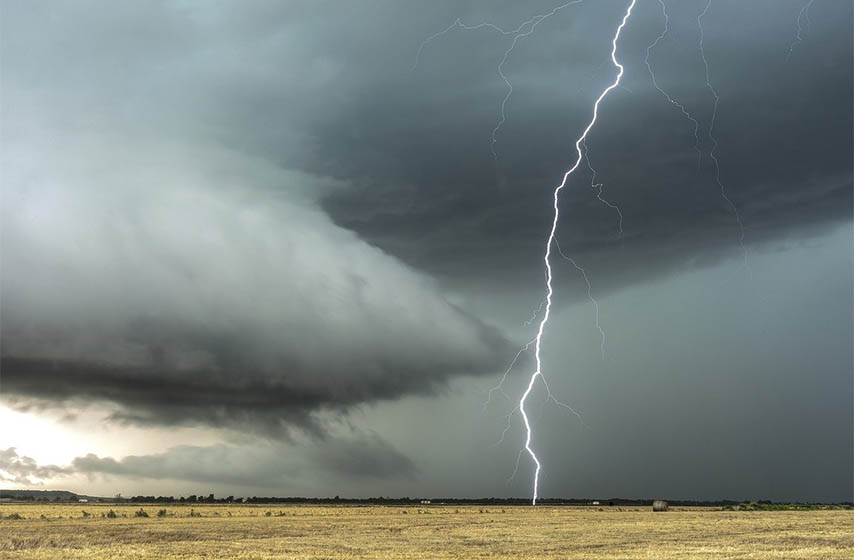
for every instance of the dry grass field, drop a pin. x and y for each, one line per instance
(331, 532)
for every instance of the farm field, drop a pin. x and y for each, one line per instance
(434, 531)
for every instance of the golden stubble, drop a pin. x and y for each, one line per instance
(434, 531)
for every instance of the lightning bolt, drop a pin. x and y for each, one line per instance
(803, 15)
(598, 187)
(711, 132)
(712, 153)
(523, 30)
(458, 23)
(533, 22)
(538, 372)
(499, 388)
(549, 398)
(530, 321)
(589, 296)
(666, 95)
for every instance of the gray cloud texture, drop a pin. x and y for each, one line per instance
(149, 263)
(358, 456)
(21, 469)
(251, 214)
(187, 293)
(365, 456)
(783, 127)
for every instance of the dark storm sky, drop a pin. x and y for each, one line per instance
(258, 218)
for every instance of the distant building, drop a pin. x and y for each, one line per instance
(83, 501)
(595, 503)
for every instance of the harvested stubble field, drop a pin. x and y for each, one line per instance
(331, 532)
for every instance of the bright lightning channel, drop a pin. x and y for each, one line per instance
(525, 29)
(538, 373)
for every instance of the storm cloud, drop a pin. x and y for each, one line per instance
(261, 216)
(259, 465)
(783, 127)
(193, 294)
(21, 469)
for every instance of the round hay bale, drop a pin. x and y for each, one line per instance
(659, 505)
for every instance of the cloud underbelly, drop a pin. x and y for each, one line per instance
(200, 287)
